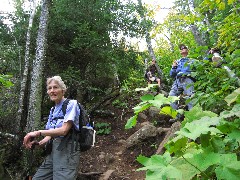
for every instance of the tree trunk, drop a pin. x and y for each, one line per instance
(197, 35)
(22, 114)
(148, 38)
(34, 109)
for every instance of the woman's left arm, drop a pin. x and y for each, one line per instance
(62, 131)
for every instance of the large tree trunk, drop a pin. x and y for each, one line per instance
(22, 113)
(34, 109)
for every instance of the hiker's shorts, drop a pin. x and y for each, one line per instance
(59, 165)
(186, 84)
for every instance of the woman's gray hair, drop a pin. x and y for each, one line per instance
(59, 80)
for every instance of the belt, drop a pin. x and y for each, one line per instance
(184, 77)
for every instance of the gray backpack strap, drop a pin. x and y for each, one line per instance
(66, 138)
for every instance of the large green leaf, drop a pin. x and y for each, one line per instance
(194, 129)
(234, 112)
(188, 171)
(153, 161)
(232, 97)
(230, 170)
(177, 145)
(158, 167)
(196, 113)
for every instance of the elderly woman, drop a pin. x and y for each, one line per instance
(59, 164)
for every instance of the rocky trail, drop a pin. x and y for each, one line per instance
(114, 155)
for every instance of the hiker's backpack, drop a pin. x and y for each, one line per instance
(86, 136)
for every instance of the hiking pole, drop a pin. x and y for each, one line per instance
(30, 160)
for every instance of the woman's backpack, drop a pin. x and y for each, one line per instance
(86, 135)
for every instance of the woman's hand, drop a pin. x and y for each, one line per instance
(29, 141)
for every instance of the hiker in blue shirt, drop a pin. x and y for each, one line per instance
(59, 164)
(181, 72)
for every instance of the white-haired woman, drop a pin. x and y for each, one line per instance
(59, 164)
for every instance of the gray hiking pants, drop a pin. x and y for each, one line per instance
(59, 165)
(187, 88)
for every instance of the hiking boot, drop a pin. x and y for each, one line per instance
(179, 117)
(172, 120)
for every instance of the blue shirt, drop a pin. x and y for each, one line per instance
(183, 68)
(72, 114)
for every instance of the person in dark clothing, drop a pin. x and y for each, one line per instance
(152, 74)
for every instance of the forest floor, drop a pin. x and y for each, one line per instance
(110, 159)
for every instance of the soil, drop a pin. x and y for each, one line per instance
(109, 158)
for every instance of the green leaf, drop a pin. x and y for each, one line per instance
(177, 145)
(4, 80)
(196, 113)
(194, 129)
(235, 134)
(147, 97)
(230, 2)
(234, 112)
(141, 107)
(218, 144)
(158, 167)
(232, 97)
(229, 170)
(188, 171)
(154, 160)
(168, 110)
(205, 140)
(131, 122)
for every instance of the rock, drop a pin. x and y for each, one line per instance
(145, 132)
(102, 155)
(153, 111)
(109, 158)
(141, 117)
(106, 175)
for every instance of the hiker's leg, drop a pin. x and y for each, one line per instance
(45, 171)
(149, 81)
(188, 90)
(174, 92)
(65, 162)
(158, 81)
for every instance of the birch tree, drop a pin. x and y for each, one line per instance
(147, 37)
(21, 115)
(34, 109)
